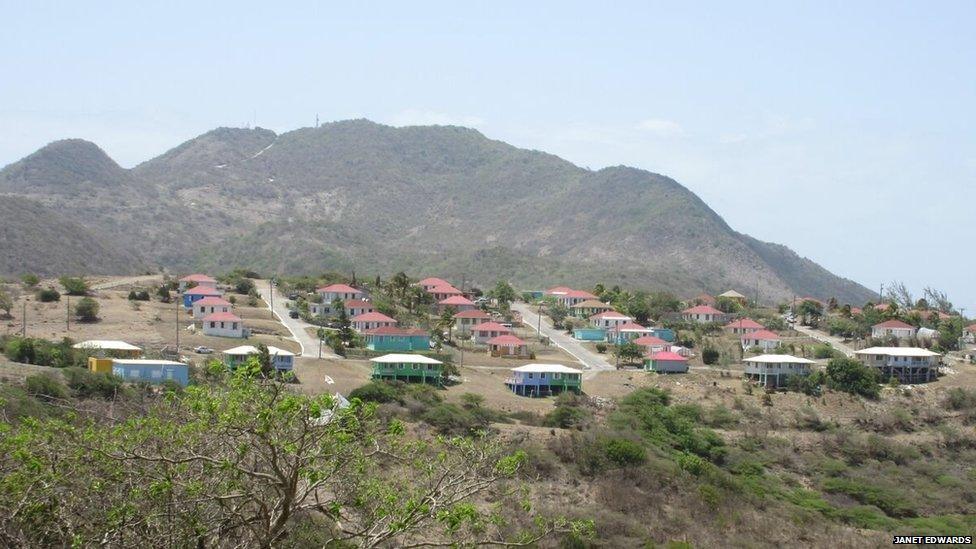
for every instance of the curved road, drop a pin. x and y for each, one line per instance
(296, 326)
(833, 341)
(590, 360)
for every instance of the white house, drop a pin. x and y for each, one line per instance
(333, 292)
(210, 305)
(610, 319)
(223, 325)
(744, 326)
(773, 370)
(368, 321)
(442, 292)
(628, 331)
(703, 314)
(906, 364)
(652, 344)
(457, 302)
(764, 339)
(281, 360)
(356, 307)
(488, 330)
(895, 328)
(466, 320)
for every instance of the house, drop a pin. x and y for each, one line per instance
(630, 331)
(440, 293)
(743, 326)
(507, 346)
(408, 368)
(906, 364)
(356, 307)
(466, 320)
(893, 328)
(281, 360)
(575, 297)
(223, 325)
(108, 348)
(609, 319)
(734, 296)
(588, 308)
(667, 334)
(210, 305)
(652, 344)
(197, 293)
(457, 302)
(538, 380)
(703, 314)
(394, 338)
(368, 321)
(197, 280)
(772, 371)
(969, 334)
(666, 362)
(332, 292)
(557, 291)
(141, 370)
(590, 334)
(764, 339)
(432, 282)
(488, 330)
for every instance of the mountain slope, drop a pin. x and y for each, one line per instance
(431, 199)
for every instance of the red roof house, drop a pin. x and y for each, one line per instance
(368, 321)
(703, 314)
(763, 338)
(459, 302)
(893, 328)
(744, 326)
(507, 346)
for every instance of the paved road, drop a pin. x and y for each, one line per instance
(296, 326)
(835, 342)
(590, 360)
(123, 281)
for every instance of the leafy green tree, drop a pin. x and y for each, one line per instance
(6, 303)
(87, 309)
(399, 285)
(74, 285)
(849, 375)
(556, 310)
(263, 358)
(503, 293)
(728, 305)
(628, 352)
(710, 356)
(30, 280)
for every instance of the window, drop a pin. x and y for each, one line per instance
(530, 375)
(213, 324)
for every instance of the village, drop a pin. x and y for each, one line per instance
(513, 349)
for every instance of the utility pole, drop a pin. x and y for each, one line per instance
(67, 314)
(539, 319)
(271, 287)
(23, 331)
(179, 298)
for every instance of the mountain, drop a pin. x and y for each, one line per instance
(445, 200)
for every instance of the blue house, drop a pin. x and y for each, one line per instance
(140, 370)
(197, 293)
(667, 334)
(392, 338)
(590, 334)
(538, 380)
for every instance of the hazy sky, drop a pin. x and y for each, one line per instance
(844, 131)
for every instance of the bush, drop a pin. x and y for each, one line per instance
(30, 280)
(377, 391)
(565, 417)
(244, 286)
(624, 452)
(601, 348)
(448, 418)
(710, 356)
(849, 375)
(46, 386)
(824, 351)
(74, 285)
(48, 295)
(88, 384)
(87, 309)
(141, 295)
(959, 398)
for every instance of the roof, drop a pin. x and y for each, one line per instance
(212, 300)
(591, 304)
(580, 294)
(222, 317)
(629, 327)
(970, 328)
(198, 278)
(778, 359)
(893, 323)
(732, 294)
(203, 290)
(491, 327)
(354, 303)
(394, 330)
(147, 361)
(610, 314)
(395, 358)
(667, 355)
(456, 300)
(559, 290)
(445, 289)
(704, 297)
(339, 288)
(649, 340)
(473, 313)
(106, 344)
(374, 316)
(702, 310)
(745, 323)
(506, 340)
(547, 368)
(761, 335)
(434, 281)
(897, 351)
(245, 350)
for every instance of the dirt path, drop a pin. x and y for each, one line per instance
(295, 326)
(835, 342)
(591, 361)
(124, 281)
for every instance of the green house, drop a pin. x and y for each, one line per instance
(408, 368)
(392, 338)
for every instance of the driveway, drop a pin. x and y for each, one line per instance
(833, 341)
(590, 360)
(295, 326)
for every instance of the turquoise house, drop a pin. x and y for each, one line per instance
(141, 370)
(392, 338)
(590, 334)
(667, 334)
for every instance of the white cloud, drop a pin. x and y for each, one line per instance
(661, 126)
(418, 117)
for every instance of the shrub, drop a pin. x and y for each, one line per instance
(824, 351)
(87, 309)
(74, 285)
(565, 417)
(46, 386)
(959, 398)
(141, 295)
(849, 375)
(623, 452)
(888, 500)
(88, 384)
(377, 391)
(448, 418)
(48, 295)
(601, 348)
(30, 280)
(244, 286)
(710, 356)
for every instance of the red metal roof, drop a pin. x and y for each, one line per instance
(222, 317)
(668, 355)
(394, 330)
(473, 313)
(506, 340)
(650, 340)
(762, 335)
(445, 289)
(894, 323)
(212, 300)
(456, 300)
(373, 317)
(197, 278)
(702, 310)
(203, 290)
(339, 289)
(434, 281)
(491, 327)
(357, 304)
(580, 294)
(745, 323)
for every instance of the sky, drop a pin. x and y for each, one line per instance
(845, 130)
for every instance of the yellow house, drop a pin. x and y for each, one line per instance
(100, 365)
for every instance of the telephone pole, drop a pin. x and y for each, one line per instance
(23, 329)
(67, 314)
(178, 305)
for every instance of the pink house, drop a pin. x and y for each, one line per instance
(744, 326)
(440, 293)
(432, 282)
(487, 330)
(223, 325)
(368, 321)
(652, 344)
(764, 339)
(210, 305)
(465, 321)
(508, 346)
(703, 314)
(458, 302)
(609, 319)
(356, 307)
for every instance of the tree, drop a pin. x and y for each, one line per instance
(244, 286)
(87, 309)
(503, 293)
(245, 462)
(48, 295)
(849, 375)
(628, 352)
(939, 300)
(74, 285)
(556, 310)
(163, 293)
(710, 356)
(727, 305)
(899, 294)
(263, 358)
(6, 303)
(30, 280)
(399, 285)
